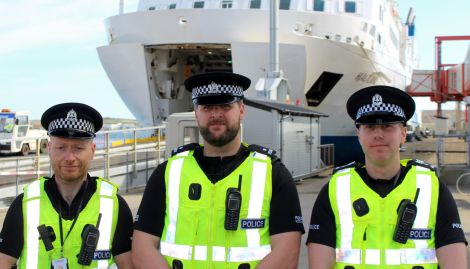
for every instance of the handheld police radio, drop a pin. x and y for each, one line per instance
(47, 235)
(233, 203)
(407, 211)
(90, 236)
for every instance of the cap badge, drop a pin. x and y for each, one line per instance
(213, 87)
(72, 115)
(376, 100)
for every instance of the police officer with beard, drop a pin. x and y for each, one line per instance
(223, 204)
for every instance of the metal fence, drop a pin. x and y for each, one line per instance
(126, 157)
(448, 153)
(452, 149)
(439, 150)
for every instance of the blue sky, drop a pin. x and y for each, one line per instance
(48, 50)
(48, 55)
(438, 18)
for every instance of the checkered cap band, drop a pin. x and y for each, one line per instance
(383, 107)
(217, 89)
(76, 124)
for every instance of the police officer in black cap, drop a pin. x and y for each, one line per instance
(69, 220)
(387, 212)
(223, 204)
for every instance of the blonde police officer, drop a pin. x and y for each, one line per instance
(388, 213)
(70, 220)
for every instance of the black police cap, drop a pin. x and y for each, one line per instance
(380, 105)
(217, 88)
(72, 120)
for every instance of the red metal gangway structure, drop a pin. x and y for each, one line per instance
(448, 82)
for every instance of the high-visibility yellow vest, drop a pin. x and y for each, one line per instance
(194, 232)
(367, 241)
(38, 210)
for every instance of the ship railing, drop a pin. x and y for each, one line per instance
(126, 157)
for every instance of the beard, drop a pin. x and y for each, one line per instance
(70, 176)
(223, 139)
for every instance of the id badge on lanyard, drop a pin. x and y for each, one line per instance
(60, 264)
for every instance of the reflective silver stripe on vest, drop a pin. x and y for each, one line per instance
(218, 254)
(200, 253)
(33, 212)
(392, 256)
(348, 255)
(238, 254)
(343, 196)
(410, 256)
(258, 181)
(235, 254)
(173, 196)
(423, 182)
(106, 210)
(183, 252)
(372, 256)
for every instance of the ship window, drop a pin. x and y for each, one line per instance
(284, 4)
(350, 6)
(227, 4)
(379, 38)
(364, 26)
(319, 5)
(172, 6)
(198, 4)
(152, 8)
(394, 38)
(320, 89)
(372, 30)
(381, 14)
(255, 4)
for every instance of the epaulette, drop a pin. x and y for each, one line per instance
(184, 148)
(421, 163)
(349, 165)
(253, 147)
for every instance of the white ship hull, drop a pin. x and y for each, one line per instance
(152, 52)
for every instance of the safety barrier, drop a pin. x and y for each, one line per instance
(126, 157)
(452, 149)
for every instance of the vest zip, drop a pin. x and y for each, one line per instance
(382, 231)
(363, 246)
(210, 263)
